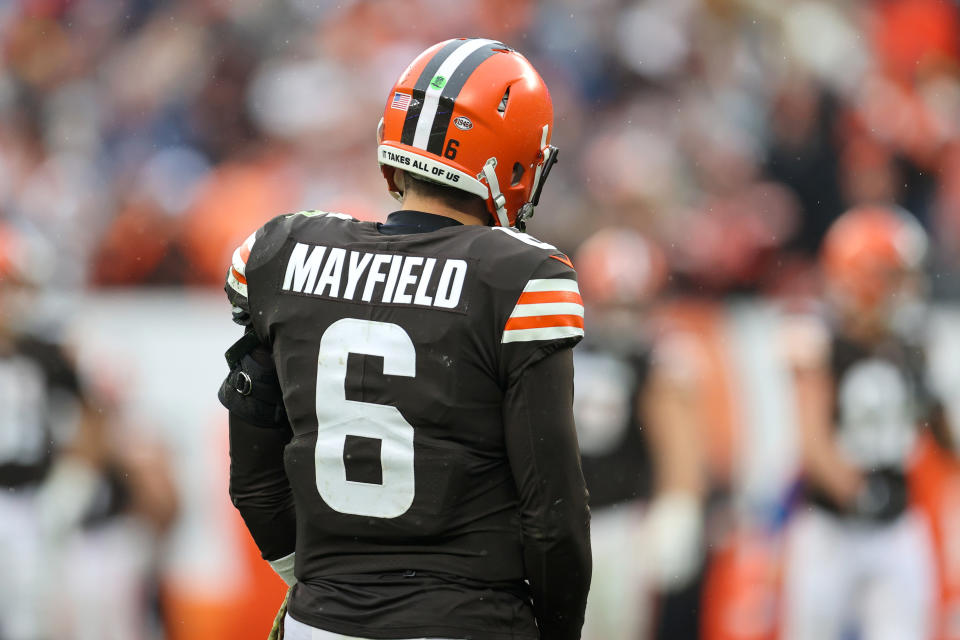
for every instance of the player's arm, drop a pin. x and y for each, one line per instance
(824, 464)
(932, 410)
(259, 489)
(669, 413)
(259, 431)
(70, 487)
(541, 326)
(542, 448)
(938, 423)
(108, 446)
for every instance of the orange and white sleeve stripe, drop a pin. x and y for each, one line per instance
(548, 309)
(237, 276)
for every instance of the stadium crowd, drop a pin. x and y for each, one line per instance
(142, 140)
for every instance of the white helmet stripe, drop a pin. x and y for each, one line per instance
(432, 96)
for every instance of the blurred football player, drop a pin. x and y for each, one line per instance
(40, 399)
(401, 425)
(858, 556)
(63, 481)
(114, 541)
(637, 427)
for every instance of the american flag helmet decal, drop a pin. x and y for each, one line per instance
(400, 101)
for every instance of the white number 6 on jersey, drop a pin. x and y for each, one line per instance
(338, 417)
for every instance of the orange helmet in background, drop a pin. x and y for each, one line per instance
(868, 250)
(472, 114)
(619, 266)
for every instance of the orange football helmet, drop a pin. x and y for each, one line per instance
(475, 115)
(867, 252)
(618, 266)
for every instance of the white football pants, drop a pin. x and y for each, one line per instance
(875, 578)
(295, 630)
(22, 566)
(619, 603)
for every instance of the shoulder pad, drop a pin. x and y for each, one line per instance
(511, 256)
(265, 239)
(237, 274)
(549, 307)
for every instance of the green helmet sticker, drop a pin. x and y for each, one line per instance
(438, 82)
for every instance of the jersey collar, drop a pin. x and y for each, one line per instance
(409, 221)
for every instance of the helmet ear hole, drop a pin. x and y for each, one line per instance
(503, 102)
(518, 170)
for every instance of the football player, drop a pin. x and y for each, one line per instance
(44, 481)
(63, 482)
(402, 441)
(637, 427)
(858, 557)
(39, 393)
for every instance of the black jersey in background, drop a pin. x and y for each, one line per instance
(610, 377)
(39, 389)
(880, 399)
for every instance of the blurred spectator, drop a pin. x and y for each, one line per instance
(803, 155)
(112, 114)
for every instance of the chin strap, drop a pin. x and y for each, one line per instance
(499, 200)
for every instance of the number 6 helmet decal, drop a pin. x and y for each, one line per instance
(475, 115)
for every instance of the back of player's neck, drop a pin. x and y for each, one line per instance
(412, 202)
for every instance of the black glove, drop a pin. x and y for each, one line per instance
(883, 496)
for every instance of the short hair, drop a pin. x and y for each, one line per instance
(451, 196)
